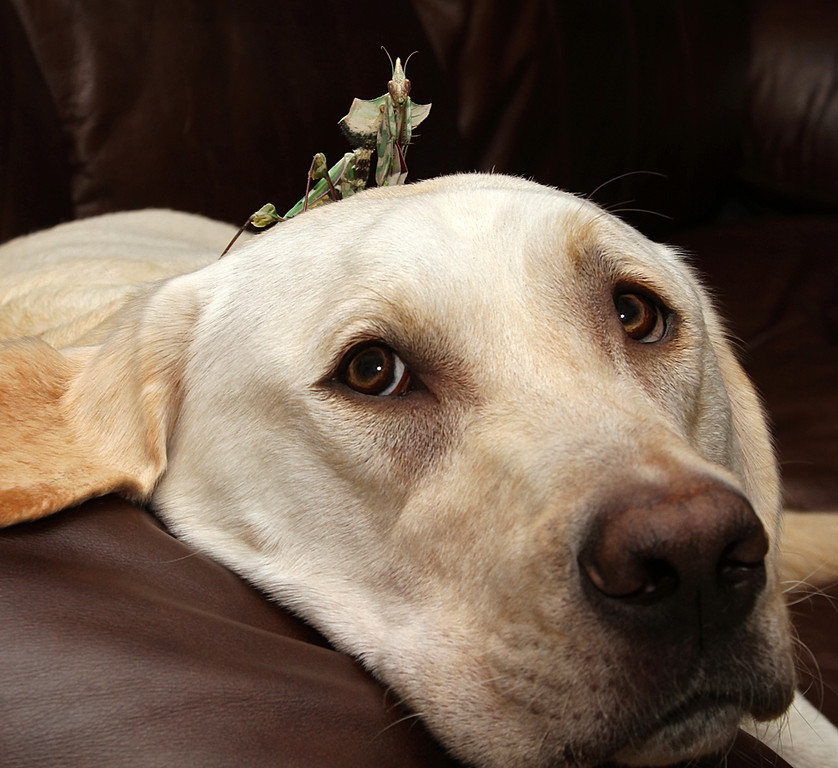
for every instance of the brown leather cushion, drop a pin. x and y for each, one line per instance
(120, 647)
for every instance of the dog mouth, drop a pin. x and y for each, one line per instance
(704, 719)
(701, 725)
(648, 718)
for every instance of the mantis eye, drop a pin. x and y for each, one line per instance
(643, 319)
(374, 369)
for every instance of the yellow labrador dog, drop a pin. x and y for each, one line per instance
(483, 435)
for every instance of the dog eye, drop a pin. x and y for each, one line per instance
(374, 369)
(642, 319)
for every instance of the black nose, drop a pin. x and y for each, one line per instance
(688, 557)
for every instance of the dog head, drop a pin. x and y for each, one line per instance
(483, 435)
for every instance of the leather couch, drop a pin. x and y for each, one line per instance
(712, 125)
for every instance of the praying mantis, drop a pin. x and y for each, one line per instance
(384, 124)
(389, 121)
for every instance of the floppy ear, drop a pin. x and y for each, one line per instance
(805, 549)
(750, 427)
(92, 420)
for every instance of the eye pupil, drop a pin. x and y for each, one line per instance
(370, 368)
(629, 310)
(374, 370)
(641, 318)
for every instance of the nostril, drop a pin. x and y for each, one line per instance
(742, 563)
(749, 550)
(661, 582)
(640, 581)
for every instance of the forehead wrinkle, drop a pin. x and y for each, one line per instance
(595, 245)
(581, 258)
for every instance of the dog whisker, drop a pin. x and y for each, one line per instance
(621, 176)
(180, 559)
(618, 211)
(815, 672)
(415, 717)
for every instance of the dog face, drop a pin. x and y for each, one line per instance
(484, 436)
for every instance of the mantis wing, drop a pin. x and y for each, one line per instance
(418, 112)
(362, 122)
(375, 121)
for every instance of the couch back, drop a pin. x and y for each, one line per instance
(217, 106)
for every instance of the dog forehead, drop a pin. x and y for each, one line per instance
(466, 232)
(437, 230)
(456, 252)
(506, 228)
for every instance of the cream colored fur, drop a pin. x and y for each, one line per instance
(430, 535)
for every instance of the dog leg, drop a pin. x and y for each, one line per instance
(808, 551)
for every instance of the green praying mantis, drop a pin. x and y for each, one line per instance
(385, 125)
(388, 121)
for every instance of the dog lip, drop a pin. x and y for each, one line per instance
(674, 725)
(682, 722)
(697, 703)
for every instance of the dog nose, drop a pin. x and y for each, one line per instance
(689, 558)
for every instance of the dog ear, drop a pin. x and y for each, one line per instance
(750, 426)
(92, 420)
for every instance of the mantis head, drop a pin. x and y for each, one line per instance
(399, 85)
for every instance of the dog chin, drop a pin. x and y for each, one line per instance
(703, 730)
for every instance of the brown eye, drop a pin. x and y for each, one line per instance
(374, 369)
(642, 319)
